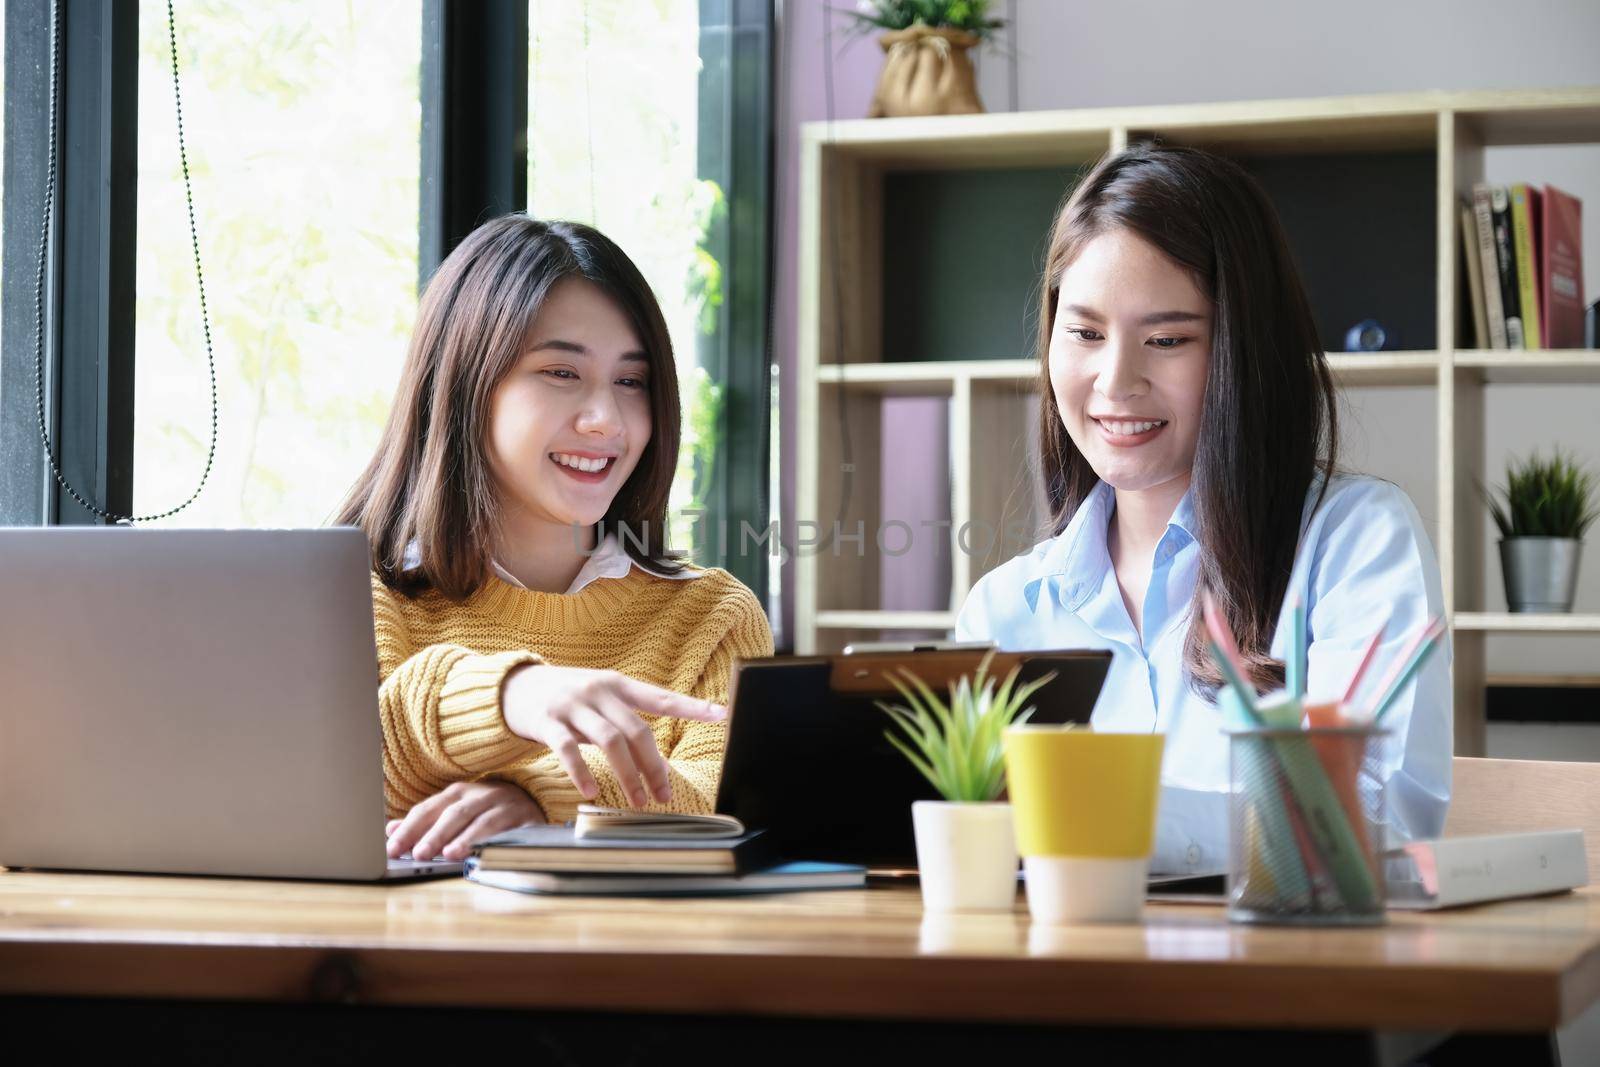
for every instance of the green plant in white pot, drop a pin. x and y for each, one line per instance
(1544, 509)
(966, 848)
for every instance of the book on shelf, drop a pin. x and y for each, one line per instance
(1452, 871)
(1524, 227)
(1489, 267)
(1475, 315)
(1525, 289)
(1561, 269)
(1505, 255)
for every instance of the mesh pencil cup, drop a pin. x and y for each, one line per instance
(1306, 826)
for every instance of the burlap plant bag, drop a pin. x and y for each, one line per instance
(926, 71)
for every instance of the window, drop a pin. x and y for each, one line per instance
(633, 69)
(310, 132)
(302, 124)
(633, 114)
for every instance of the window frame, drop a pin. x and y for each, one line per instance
(474, 89)
(735, 146)
(88, 303)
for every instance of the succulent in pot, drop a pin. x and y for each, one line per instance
(1543, 511)
(966, 847)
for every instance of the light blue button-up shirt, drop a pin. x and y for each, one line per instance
(1363, 560)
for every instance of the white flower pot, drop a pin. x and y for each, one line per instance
(966, 855)
(1085, 889)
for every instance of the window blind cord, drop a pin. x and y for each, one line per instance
(44, 248)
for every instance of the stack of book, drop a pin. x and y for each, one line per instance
(1524, 259)
(611, 852)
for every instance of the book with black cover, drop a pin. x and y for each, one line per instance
(1506, 265)
(558, 848)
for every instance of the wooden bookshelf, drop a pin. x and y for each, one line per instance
(1384, 368)
(862, 339)
(1545, 367)
(886, 620)
(1505, 622)
(938, 378)
(1544, 681)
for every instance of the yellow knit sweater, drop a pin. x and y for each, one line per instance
(442, 663)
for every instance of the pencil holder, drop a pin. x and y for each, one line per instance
(1306, 826)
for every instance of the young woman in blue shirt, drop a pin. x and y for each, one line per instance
(1189, 443)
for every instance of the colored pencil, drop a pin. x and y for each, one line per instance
(1412, 643)
(1236, 681)
(1226, 652)
(1295, 670)
(1361, 668)
(1409, 665)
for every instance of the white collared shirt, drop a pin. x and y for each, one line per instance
(609, 560)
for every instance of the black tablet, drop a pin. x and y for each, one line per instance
(808, 760)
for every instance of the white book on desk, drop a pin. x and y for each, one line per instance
(1451, 871)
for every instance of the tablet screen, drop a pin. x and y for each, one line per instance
(808, 758)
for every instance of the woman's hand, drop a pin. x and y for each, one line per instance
(564, 707)
(451, 821)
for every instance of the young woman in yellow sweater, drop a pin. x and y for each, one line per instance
(537, 644)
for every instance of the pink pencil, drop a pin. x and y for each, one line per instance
(1361, 668)
(1221, 634)
(1411, 647)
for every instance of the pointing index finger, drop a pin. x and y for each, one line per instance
(654, 700)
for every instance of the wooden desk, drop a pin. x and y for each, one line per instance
(1527, 966)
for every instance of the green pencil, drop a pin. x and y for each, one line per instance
(1430, 640)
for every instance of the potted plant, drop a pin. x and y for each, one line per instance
(926, 68)
(1544, 511)
(966, 848)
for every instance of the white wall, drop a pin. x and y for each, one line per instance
(1077, 54)
(1140, 52)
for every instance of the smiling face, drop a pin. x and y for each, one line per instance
(571, 419)
(1129, 355)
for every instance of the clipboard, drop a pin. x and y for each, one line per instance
(808, 761)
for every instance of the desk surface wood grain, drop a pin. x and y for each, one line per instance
(1523, 965)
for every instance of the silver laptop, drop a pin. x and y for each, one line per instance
(191, 702)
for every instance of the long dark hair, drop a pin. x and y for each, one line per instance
(429, 481)
(1270, 421)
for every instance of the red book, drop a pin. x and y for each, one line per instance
(1561, 269)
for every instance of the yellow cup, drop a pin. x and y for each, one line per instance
(1084, 806)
